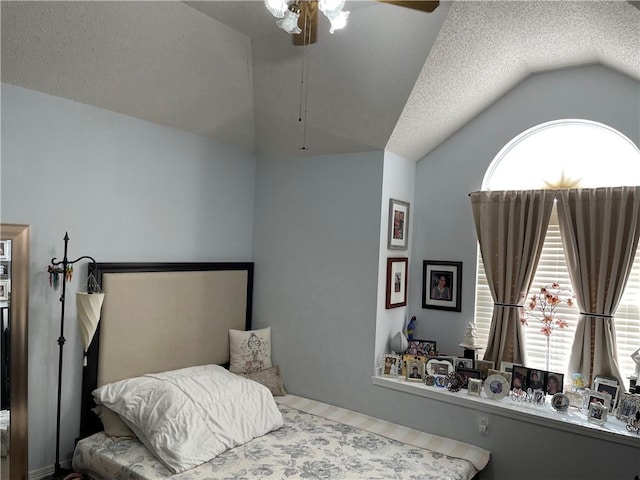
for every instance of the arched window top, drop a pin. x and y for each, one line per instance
(569, 153)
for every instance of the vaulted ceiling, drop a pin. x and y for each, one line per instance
(394, 78)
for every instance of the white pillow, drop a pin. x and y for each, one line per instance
(250, 351)
(187, 417)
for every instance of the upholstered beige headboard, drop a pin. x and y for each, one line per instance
(159, 317)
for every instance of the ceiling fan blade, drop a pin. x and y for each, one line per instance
(308, 22)
(416, 5)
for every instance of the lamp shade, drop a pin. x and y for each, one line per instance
(89, 306)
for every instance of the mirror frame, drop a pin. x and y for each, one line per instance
(19, 338)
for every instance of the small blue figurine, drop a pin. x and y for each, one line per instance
(411, 328)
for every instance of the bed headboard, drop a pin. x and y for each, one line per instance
(163, 316)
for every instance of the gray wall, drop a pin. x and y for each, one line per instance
(125, 190)
(317, 236)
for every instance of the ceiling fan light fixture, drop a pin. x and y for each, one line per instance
(290, 21)
(277, 8)
(331, 7)
(338, 21)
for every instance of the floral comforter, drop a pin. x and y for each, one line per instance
(308, 446)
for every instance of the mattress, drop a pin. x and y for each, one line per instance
(5, 416)
(316, 441)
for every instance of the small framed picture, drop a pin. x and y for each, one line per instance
(560, 402)
(591, 396)
(391, 365)
(440, 381)
(628, 406)
(4, 289)
(598, 413)
(398, 225)
(415, 371)
(440, 366)
(474, 386)
(429, 380)
(462, 362)
(442, 285)
(519, 378)
(422, 347)
(507, 375)
(406, 358)
(397, 281)
(467, 374)
(484, 366)
(5, 249)
(508, 366)
(553, 383)
(609, 386)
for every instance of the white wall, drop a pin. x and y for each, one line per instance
(125, 190)
(316, 241)
(398, 183)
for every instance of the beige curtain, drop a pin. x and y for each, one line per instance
(511, 226)
(600, 229)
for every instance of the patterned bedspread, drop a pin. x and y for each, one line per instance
(5, 417)
(309, 446)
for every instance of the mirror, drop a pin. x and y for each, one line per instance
(14, 307)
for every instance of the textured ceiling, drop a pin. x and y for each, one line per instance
(394, 78)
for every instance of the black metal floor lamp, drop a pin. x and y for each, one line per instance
(64, 268)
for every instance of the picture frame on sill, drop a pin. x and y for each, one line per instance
(467, 374)
(398, 224)
(628, 406)
(422, 347)
(591, 396)
(463, 362)
(508, 366)
(609, 386)
(406, 358)
(397, 276)
(4, 290)
(484, 366)
(441, 366)
(391, 365)
(474, 386)
(507, 375)
(598, 413)
(442, 285)
(415, 371)
(519, 377)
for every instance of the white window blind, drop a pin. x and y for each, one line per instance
(552, 268)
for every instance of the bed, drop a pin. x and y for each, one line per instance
(5, 418)
(151, 312)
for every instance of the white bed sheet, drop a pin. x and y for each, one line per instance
(316, 441)
(5, 418)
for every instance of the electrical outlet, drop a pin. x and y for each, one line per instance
(483, 424)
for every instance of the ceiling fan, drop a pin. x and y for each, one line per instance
(300, 17)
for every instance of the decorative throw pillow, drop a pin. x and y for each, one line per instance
(270, 378)
(250, 351)
(113, 425)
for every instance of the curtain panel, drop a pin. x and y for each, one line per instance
(511, 227)
(600, 229)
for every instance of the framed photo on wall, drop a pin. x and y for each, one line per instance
(442, 285)
(397, 281)
(398, 224)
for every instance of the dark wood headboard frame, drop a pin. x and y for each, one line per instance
(89, 421)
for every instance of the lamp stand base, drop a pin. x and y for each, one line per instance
(60, 474)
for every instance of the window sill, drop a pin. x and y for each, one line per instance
(571, 421)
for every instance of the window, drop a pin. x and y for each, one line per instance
(565, 153)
